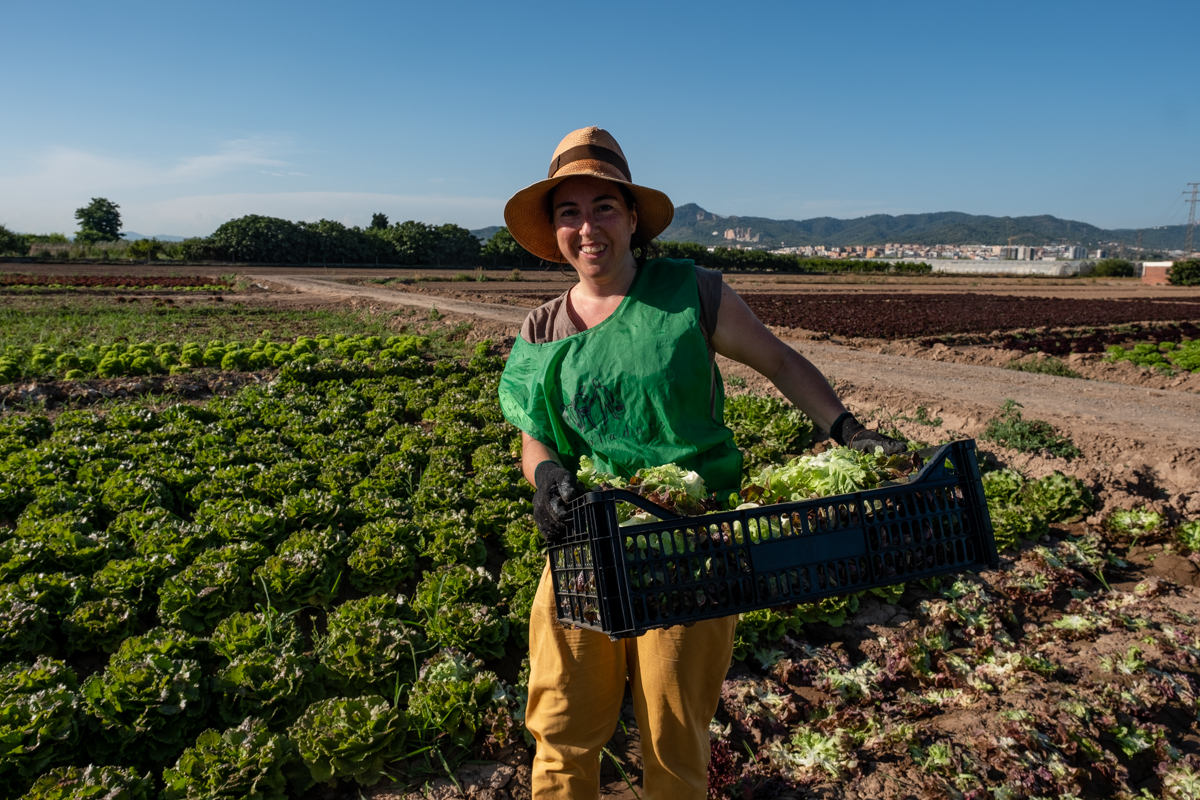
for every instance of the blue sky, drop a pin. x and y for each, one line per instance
(188, 114)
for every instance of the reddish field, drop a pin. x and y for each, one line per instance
(111, 281)
(892, 316)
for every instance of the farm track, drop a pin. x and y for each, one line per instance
(333, 290)
(1143, 412)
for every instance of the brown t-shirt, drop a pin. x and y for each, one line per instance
(550, 322)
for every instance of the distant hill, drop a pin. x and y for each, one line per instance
(133, 237)
(693, 224)
(483, 234)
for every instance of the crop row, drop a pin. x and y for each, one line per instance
(148, 358)
(1165, 355)
(114, 281)
(891, 316)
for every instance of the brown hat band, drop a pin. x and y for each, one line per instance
(591, 152)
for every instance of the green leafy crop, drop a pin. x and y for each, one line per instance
(92, 783)
(768, 430)
(454, 697)
(1058, 497)
(99, 625)
(246, 631)
(370, 648)
(459, 607)
(304, 570)
(350, 738)
(39, 725)
(382, 558)
(146, 705)
(247, 761)
(201, 595)
(274, 683)
(1010, 429)
(1135, 523)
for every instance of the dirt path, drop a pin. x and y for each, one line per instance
(1144, 413)
(335, 290)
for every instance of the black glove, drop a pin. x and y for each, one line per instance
(556, 488)
(849, 432)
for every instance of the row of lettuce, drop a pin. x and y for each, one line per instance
(121, 359)
(1167, 356)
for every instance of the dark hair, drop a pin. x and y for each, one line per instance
(643, 249)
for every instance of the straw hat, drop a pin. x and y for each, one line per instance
(587, 151)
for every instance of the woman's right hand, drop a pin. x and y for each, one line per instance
(556, 488)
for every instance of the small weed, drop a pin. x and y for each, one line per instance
(1010, 429)
(434, 314)
(515, 275)
(1188, 535)
(1047, 365)
(922, 418)
(736, 381)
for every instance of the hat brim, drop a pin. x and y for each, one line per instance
(528, 219)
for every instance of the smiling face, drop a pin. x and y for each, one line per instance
(593, 226)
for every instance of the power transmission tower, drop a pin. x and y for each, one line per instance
(1187, 243)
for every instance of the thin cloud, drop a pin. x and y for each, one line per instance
(233, 156)
(54, 181)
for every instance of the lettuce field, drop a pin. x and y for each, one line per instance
(318, 586)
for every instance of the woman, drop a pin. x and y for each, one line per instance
(622, 368)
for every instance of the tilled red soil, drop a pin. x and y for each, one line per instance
(888, 316)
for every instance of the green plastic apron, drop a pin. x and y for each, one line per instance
(634, 391)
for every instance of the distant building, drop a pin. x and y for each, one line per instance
(1100, 254)
(1155, 272)
(1076, 253)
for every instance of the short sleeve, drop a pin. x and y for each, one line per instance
(708, 282)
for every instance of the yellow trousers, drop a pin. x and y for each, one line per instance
(576, 685)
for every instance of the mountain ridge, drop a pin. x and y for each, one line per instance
(695, 224)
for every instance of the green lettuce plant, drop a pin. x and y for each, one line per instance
(135, 580)
(1135, 523)
(246, 761)
(304, 570)
(1058, 497)
(382, 558)
(99, 625)
(39, 724)
(370, 649)
(1188, 535)
(148, 702)
(350, 737)
(459, 606)
(455, 698)
(235, 520)
(246, 631)
(768, 430)
(32, 609)
(274, 683)
(92, 783)
(201, 595)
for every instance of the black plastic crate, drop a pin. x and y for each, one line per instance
(626, 581)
